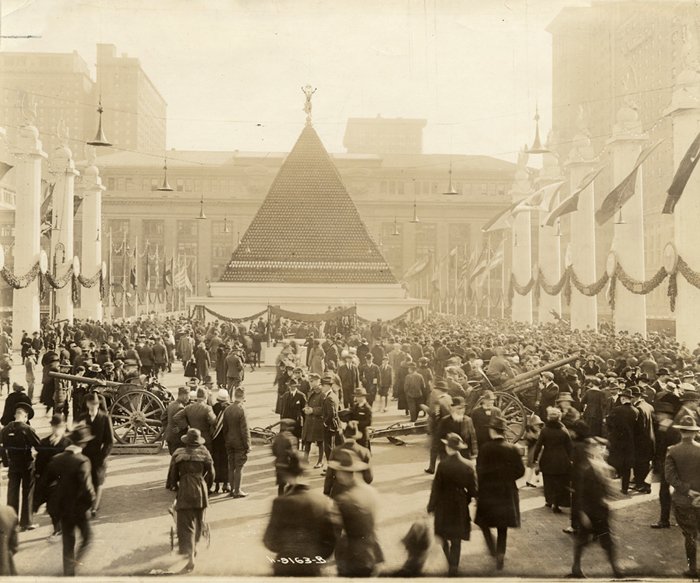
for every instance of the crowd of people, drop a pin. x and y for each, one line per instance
(601, 407)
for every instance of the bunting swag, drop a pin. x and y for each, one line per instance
(301, 317)
(231, 320)
(570, 205)
(623, 191)
(680, 179)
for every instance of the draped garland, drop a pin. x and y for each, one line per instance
(232, 320)
(639, 287)
(24, 281)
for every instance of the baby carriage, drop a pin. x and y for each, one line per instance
(205, 534)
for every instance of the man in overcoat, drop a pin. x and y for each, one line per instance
(621, 424)
(292, 404)
(498, 466)
(237, 439)
(453, 488)
(75, 495)
(349, 379)
(459, 422)
(100, 446)
(171, 432)
(351, 434)
(329, 415)
(198, 414)
(301, 523)
(644, 441)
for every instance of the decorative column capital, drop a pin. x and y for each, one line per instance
(28, 144)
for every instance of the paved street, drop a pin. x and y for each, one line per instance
(132, 530)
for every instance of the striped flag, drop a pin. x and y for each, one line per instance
(680, 179)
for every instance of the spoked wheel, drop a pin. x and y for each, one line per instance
(136, 417)
(514, 413)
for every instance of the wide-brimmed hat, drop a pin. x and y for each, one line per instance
(347, 461)
(565, 397)
(687, 423)
(454, 441)
(81, 434)
(25, 407)
(360, 392)
(626, 392)
(534, 420)
(222, 396)
(689, 394)
(663, 371)
(107, 364)
(193, 437)
(95, 368)
(592, 381)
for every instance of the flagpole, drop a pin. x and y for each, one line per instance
(109, 278)
(503, 277)
(488, 275)
(136, 276)
(148, 280)
(125, 262)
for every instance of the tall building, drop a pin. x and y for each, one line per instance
(135, 112)
(616, 53)
(60, 86)
(384, 135)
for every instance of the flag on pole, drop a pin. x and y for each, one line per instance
(167, 273)
(570, 205)
(497, 257)
(682, 175)
(417, 268)
(540, 200)
(500, 221)
(132, 274)
(623, 191)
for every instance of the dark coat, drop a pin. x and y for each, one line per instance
(191, 472)
(8, 540)
(235, 428)
(644, 439)
(333, 488)
(313, 422)
(498, 466)
(199, 415)
(621, 424)
(218, 445)
(202, 361)
(43, 490)
(100, 446)
(464, 428)
(358, 550)
(75, 494)
(292, 407)
(593, 404)
(553, 449)
(453, 488)
(301, 525)
(481, 419)
(14, 399)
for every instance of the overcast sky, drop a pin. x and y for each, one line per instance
(473, 68)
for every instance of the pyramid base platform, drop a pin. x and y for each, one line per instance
(238, 300)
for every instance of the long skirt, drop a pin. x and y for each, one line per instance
(189, 529)
(218, 453)
(556, 490)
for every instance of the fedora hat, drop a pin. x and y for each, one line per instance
(663, 371)
(565, 397)
(626, 393)
(95, 368)
(687, 423)
(360, 392)
(347, 460)
(81, 434)
(287, 424)
(193, 437)
(222, 396)
(454, 441)
(689, 394)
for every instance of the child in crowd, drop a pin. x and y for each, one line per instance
(532, 433)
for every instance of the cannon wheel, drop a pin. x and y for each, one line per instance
(136, 417)
(514, 413)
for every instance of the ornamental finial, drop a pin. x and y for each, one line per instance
(308, 92)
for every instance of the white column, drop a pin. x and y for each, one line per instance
(25, 302)
(91, 253)
(521, 310)
(628, 239)
(584, 309)
(549, 245)
(685, 114)
(63, 167)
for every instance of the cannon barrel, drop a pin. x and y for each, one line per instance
(86, 381)
(522, 378)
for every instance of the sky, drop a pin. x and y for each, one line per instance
(232, 71)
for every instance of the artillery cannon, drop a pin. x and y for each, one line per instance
(136, 410)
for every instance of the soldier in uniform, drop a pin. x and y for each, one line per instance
(292, 404)
(18, 440)
(361, 411)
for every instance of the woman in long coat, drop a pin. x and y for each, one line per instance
(191, 474)
(184, 348)
(218, 445)
(313, 424)
(553, 453)
(316, 357)
(498, 466)
(201, 357)
(221, 354)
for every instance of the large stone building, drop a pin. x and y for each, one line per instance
(63, 90)
(616, 53)
(232, 186)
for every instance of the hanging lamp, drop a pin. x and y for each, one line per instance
(165, 187)
(450, 188)
(100, 139)
(537, 147)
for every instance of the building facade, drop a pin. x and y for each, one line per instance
(614, 54)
